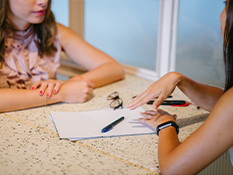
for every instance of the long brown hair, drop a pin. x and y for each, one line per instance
(228, 46)
(45, 31)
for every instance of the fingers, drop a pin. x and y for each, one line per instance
(90, 83)
(36, 85)
(43, 87)
(140, 100)
(86, 95)
(148, 113)
(158, 101)
(57, 86)
(153, 118)
(147, 96)
(162, 88)
(88, 90)
(150, 118)
(162, 112)
(49, 87)
(150, 93)
(77, 91)
(146, 121)
(151, 112)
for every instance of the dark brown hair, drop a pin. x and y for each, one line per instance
(45, 31)
(228, 46)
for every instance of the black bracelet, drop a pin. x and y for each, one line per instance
(167, 124)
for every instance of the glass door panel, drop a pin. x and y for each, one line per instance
(199, 52)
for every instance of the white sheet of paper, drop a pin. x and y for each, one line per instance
(88, 124)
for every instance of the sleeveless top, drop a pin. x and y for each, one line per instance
(231, 154)
(22, 65)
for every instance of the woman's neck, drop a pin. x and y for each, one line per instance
(17, 24)
(19, 27)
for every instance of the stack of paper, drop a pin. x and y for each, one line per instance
(88, 124)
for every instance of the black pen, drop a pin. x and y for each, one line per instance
(111, 125)
(179, 103)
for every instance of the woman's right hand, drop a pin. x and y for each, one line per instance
(76, 91)
(160, 89)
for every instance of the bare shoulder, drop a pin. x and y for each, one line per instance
(63, 29)
(68, 37)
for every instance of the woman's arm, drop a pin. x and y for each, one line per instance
(205, 145)
(102, 68)
(71, 92)
(203, 95)
(15, 99)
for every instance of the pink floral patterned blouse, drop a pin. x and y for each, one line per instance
(23, 66)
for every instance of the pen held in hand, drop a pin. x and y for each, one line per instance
(178, 103)
(111, 125)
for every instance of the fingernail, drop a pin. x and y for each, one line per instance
(41, 92)
(55, 91)
(33, 87)
(79, 77)
(48, 95)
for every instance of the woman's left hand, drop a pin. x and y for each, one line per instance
(154, 118)
(50, 86)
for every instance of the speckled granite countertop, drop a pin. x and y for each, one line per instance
(29, 143)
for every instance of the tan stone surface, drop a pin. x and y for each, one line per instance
(29, 143)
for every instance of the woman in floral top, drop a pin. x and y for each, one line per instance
(30, 46)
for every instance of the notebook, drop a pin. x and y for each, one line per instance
(89, 124)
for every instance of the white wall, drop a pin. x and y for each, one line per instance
(125, 29)
(60, 9)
